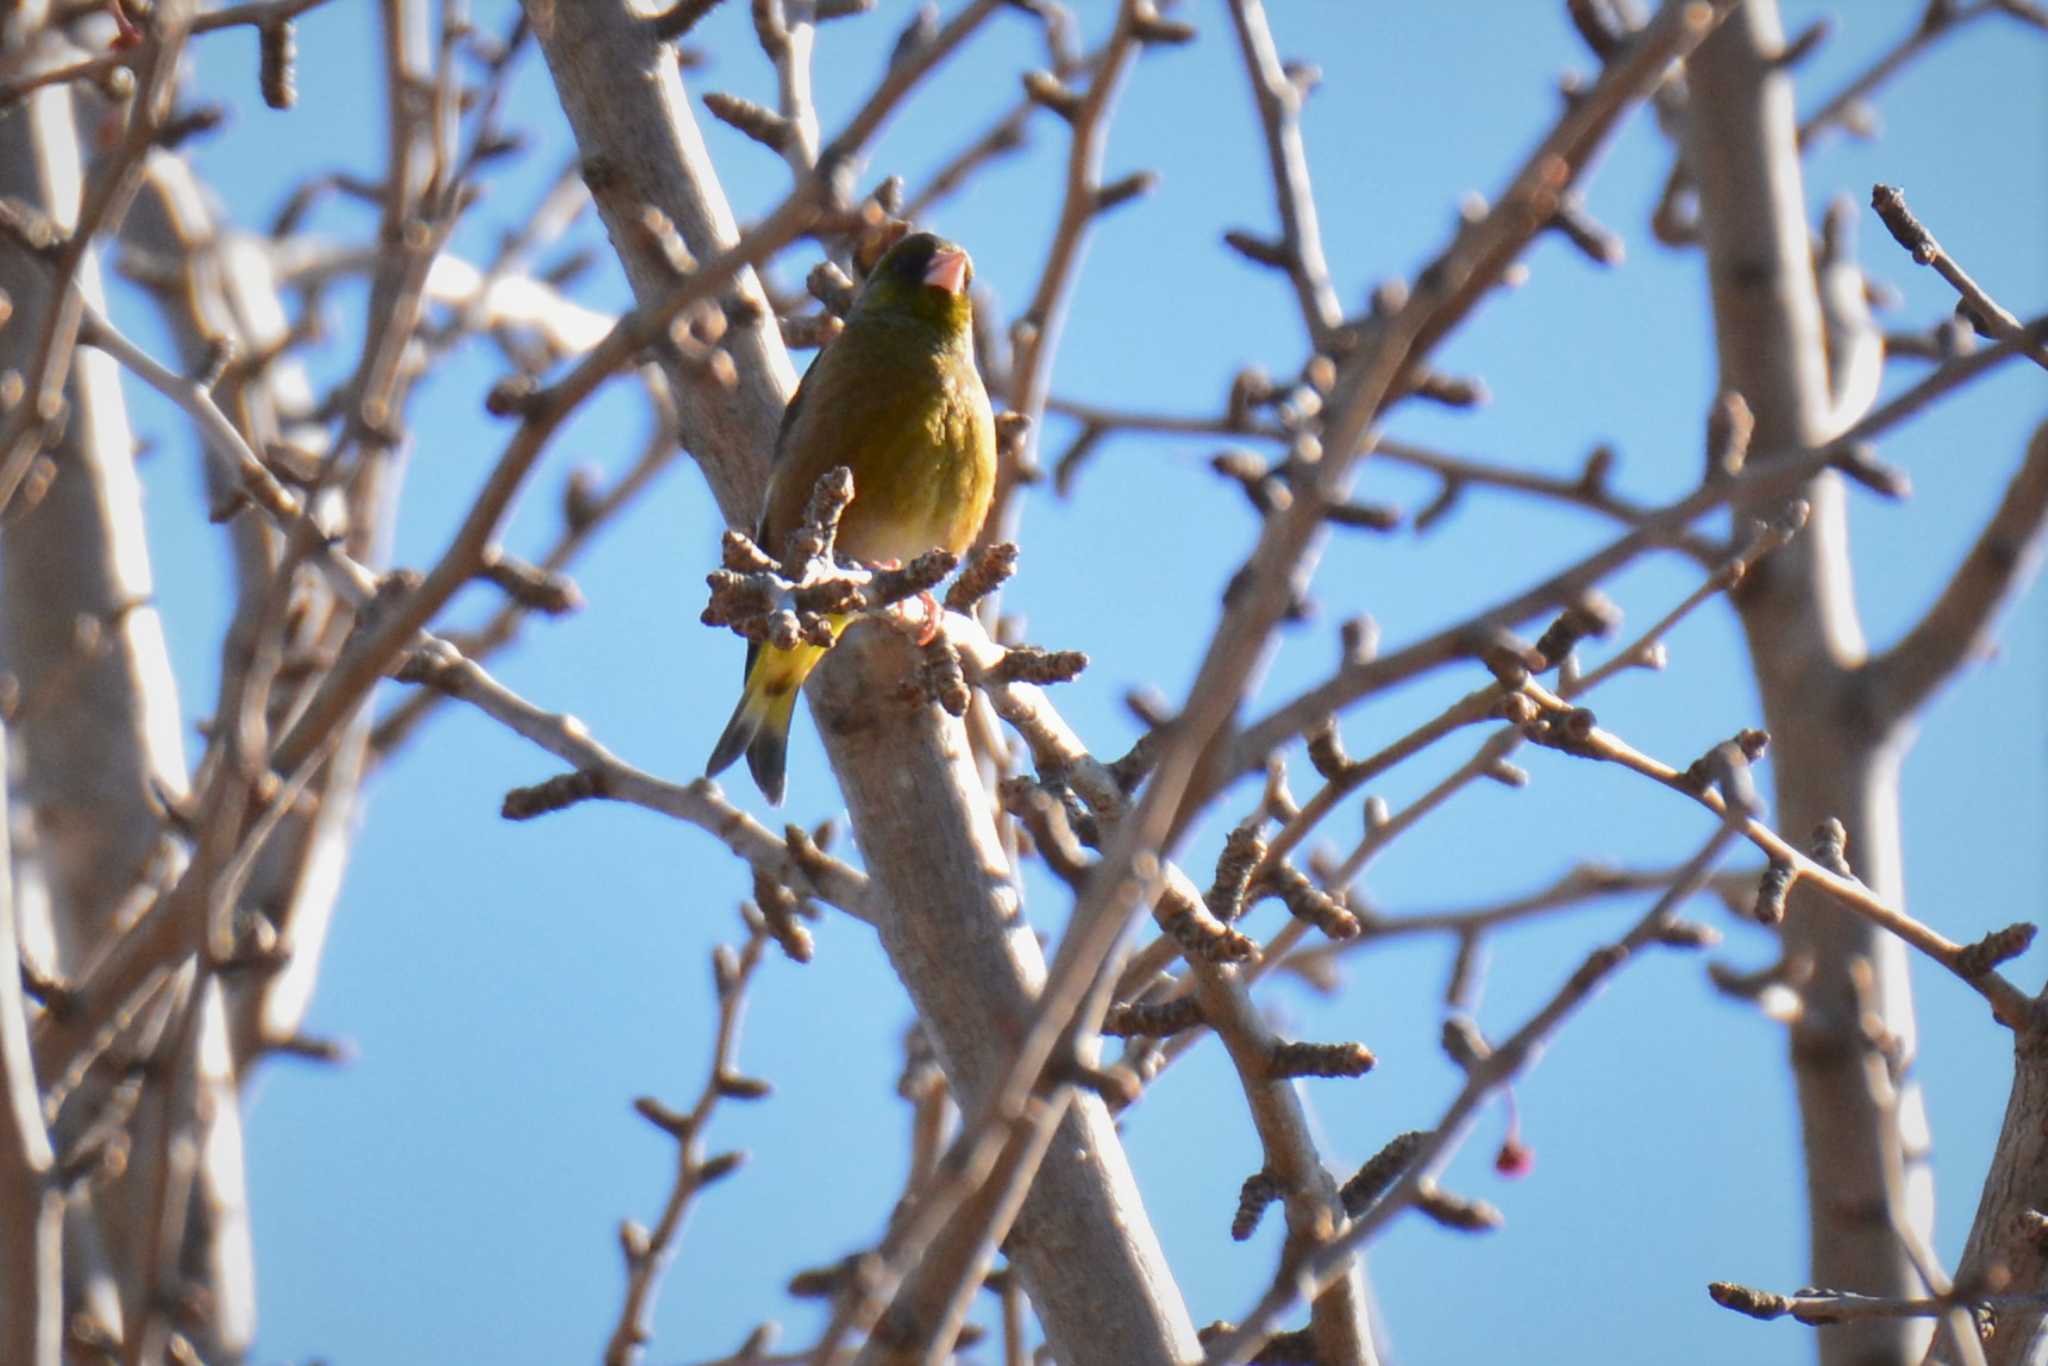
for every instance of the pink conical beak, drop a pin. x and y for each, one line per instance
(948, 271)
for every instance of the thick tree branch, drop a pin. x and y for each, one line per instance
(1957, 628)
(2006, 1244)
(31, 1206)
(1128, 875)
(952, 929)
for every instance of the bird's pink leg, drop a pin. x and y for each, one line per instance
(929, 631)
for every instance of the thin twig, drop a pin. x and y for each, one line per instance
(1128, 873)
(1939, 19)
(2011, 1006)
(649, 1252)
(110, 190)
(1909, 232)
(1507, 1061)
(1278, 100)
(441, 666)
(1774, 475)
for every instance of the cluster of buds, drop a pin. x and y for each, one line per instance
(798, 598)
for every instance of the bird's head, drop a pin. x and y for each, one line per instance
(926, 277)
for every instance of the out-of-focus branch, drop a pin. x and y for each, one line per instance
(101, 70)
(1842, 1306)
(256, 13)
(1909, 232)
(1299, 252)
(1036, 333)
(353, 581)
(195, 1126)
(1006, 135)
(1008, 132)
(1862, 1122)
(586, 515)
(1957, 628)
(1847, 108)
(31, 1206)
(104, 201)
(1589, 489)
(220, 301)
(94, 772)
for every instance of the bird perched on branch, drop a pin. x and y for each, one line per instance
(896, 399)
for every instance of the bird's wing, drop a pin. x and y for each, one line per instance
(783, 507)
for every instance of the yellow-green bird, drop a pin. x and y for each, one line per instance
(896, 399)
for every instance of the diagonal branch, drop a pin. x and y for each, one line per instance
(2011, 1006)
(1778, 475)
(1128, 874)
(440, 666)
(1506, 1062)
(1941, 18)
(1957, 628)
(1986, 312)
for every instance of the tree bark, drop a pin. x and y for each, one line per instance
(1863, 1121)
(953, 925)
(2008, 1230)
(925, 824)
(31, 1207)
(97, 745)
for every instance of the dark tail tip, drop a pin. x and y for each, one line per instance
(767, 758)
(739, 732)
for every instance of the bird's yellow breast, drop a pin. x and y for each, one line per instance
(916, 432)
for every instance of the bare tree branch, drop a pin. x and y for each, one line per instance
(1278, 98)
(31, 1206)
(1989, 315)
(1957, 628)
(1237, 1343)
(1128, 874)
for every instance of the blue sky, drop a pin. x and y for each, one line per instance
(452, 1196)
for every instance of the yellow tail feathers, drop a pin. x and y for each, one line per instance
(760, 723)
